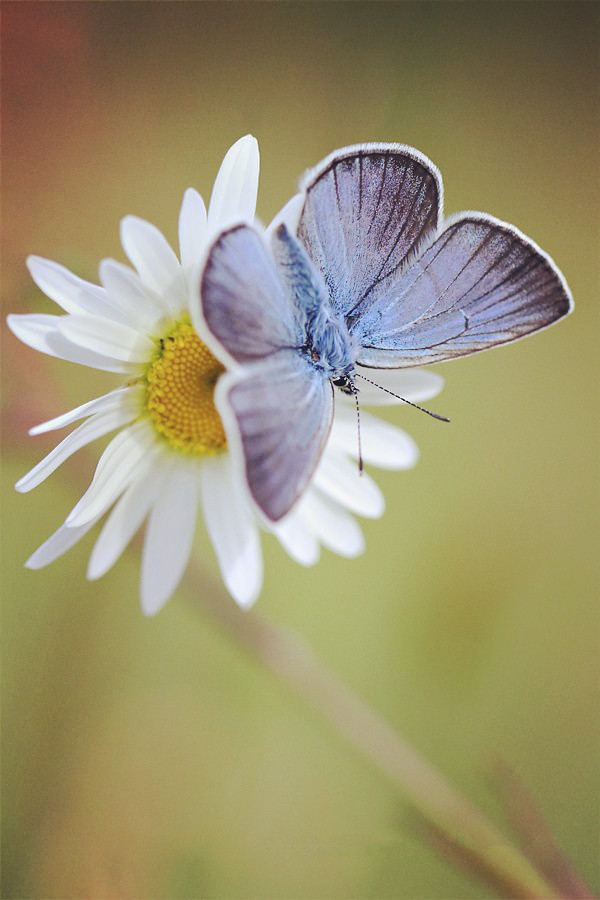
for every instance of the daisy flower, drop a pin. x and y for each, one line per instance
(170, 455)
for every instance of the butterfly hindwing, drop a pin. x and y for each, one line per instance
(480, 283)
(282, 410)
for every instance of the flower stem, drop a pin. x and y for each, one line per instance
(441, 805)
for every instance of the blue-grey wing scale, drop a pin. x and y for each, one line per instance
(283, 408)
(279, 404)
(480, 283)
(243, 300)
(366, 209)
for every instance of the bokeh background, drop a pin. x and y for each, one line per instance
(150, 758)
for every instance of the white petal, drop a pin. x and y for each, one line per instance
(138, 305)
(57, 544)
(338, 530)
(34, 330)
(297, 539)
(121, 398)
(338, 477)
(169, 537)
(41, 333)
(157, 265)
(232, 530)
(289, 216)
(107, 338)
(192, 229)
(72, 293)
(95, 427)
(115, 471)
(235, 189)
(412, 384)
(126, 517)
(382, 443)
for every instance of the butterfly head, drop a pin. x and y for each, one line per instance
(346, 384)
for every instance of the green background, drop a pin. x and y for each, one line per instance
(149, 758)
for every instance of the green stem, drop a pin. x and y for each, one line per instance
(424, 787)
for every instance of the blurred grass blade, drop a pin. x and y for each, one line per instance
(538, 842)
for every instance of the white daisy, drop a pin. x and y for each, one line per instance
(170, 454)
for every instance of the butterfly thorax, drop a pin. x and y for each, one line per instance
(329, 344)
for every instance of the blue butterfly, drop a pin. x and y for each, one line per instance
(373, 278)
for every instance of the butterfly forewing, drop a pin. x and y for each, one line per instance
(479, 284)
(283, 410)
(243, 300)
(366, 209)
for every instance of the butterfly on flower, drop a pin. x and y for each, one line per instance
(372, 278)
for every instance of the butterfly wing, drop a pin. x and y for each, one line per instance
(281, 411)
(242, 298)
(480, 283)
(276, 406)
(366, 208)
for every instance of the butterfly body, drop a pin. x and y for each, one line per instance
(327, 344)
(374, 277)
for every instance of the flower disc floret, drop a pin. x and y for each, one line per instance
(180, 384)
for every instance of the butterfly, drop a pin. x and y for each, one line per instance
(374, 277)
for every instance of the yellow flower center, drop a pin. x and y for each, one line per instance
(180, 384)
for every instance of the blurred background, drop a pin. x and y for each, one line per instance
(150, 758)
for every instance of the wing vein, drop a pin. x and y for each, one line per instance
(379, 195)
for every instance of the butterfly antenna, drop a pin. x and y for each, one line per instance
(360, 457)
(434, 415)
